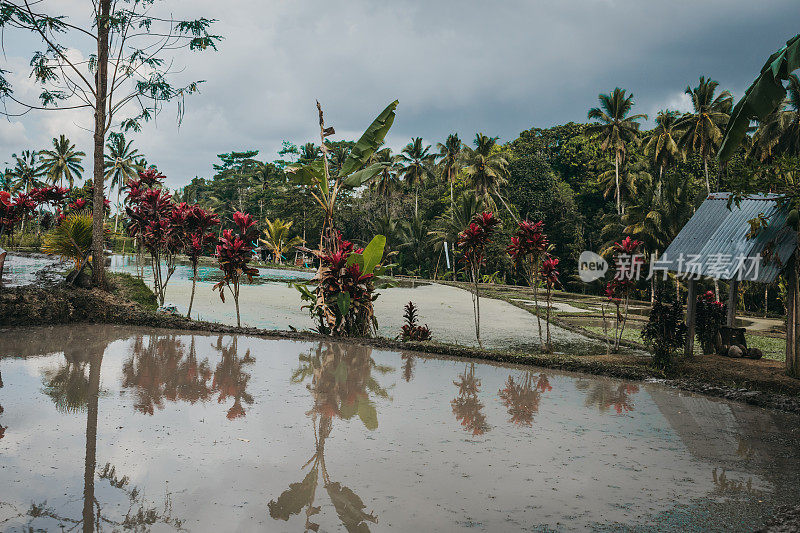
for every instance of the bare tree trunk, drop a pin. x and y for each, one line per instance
(616, 177)
(98, 206)
(416, 199)
(194, 285)
(793, 318)
(705, 168)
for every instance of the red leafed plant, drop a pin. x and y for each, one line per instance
(342, 304)
(472, 242)
(155, 223)
(618, 290)
(549, 274)
(234, 252)
(528, 248)
(411, 330)
(196, 224)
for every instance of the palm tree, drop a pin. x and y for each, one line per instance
(308, 152)
(417, 167)
(277, 237)
(628, 182)
(661, 144)
(615, 129)
(120, 166)
(487, 169)
(26, 171)
(450, 159)
(701, 131)
(387, 182)
(453, 222)
(414, 235)
(62, 162)
(779, 133)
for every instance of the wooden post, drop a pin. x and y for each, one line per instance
(792, 314)
(691, 311)
(733, 300)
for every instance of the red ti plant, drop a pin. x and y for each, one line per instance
(196, 225)
(472, 242)
(156, 224)
(342, 304)
(618, 290)
(528, 248)
(234, 252)
(549, 275)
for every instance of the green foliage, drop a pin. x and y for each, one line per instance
(71, 240)
(665, 331)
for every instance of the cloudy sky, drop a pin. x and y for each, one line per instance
(497, 67)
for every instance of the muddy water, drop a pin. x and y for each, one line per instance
(446, 310)
(22, 269)
(108, 427)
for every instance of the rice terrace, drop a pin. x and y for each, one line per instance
(308, 266)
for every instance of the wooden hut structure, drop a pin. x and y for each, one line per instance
(719, 242)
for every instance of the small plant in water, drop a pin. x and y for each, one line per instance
(472, 242)
(412, 331)
(234, 252)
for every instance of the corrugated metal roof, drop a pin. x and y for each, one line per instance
(716, 233)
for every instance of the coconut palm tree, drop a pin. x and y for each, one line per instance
(616, 129)
(308, 153)
(450, 160)
(417, 166)
(661, 144)
(415, 240)
(62, 162)
(120, 166)
(26, 171)
(701, 131)
(779, 133)
(629, 181)
(387, 182)
(487, 169)
(277, 237)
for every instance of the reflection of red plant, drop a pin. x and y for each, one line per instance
(521, 398)
(466, 406)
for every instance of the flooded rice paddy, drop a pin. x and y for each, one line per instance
(107, 428)
(447, 310)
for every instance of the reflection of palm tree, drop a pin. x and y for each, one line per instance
(604, 395)
(466, 406)
(521, 397)
(341, 384)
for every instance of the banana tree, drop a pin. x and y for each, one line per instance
(325, 187)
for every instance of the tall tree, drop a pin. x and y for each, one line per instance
(120, 166)
(417, 166)
(616, 128)
(487, 169)
(701, 130)
(779, 133)
(62, 162)
(661, 144)
(386, 182)
(450, 160)
(127, 74)
(26, 171)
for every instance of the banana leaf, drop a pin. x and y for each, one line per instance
(763, 97)
(369, 141)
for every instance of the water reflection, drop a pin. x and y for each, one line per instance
(521, 396)
(466, 406)
(604, 395)
(409, 363)
(74, 386)
(342, 385)
(2, 428)
(160, 368)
